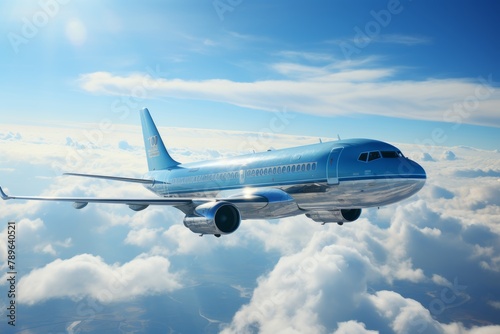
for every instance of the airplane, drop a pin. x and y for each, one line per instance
(329, 182)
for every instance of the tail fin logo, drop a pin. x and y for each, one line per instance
(153, 141)
(153, 151)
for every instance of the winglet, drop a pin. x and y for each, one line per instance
(4, 195)
(156, 153)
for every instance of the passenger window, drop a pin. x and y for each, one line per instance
(293, 168)
(314, 166)
(303, 167)
(308, 167)
(274, 170)
(373, 155)
(288, 169)
(363, 156)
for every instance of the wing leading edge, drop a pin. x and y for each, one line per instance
(138, 204)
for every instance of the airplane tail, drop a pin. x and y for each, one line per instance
(156, 153)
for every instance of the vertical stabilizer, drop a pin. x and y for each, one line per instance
(156, 153)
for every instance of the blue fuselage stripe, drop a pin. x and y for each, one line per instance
(213, 186)
(379, 177)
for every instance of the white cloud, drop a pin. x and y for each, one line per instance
(404, 315)
(285, 235)
(180, 240)
(401, 39)
(495, 304)
(441, 280)
(423, 156)
(87, 275)
(448, 155)
(353, 327)
(10, 136)
(310, 56)
(407, 40)
(48, 249)
(27, 226)
(405, 271)
(459, 328)
(143, 237)
(306, 288)
(325, 90)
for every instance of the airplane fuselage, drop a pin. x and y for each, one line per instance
(319, 177)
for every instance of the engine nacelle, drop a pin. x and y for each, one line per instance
(335, 216)
(215, 218)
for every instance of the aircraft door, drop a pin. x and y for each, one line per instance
(332, 167)
(163, 186)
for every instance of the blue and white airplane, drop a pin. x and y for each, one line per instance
(328, 182)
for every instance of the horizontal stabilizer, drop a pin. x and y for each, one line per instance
(4, 195)
(115, 178)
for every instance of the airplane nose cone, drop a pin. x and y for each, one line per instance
(417, 173)
(419, 170)
(411, 169)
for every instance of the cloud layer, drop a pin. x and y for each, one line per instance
(337, 88)
(86, 275)
(426, 265)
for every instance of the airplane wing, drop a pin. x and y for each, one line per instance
(138, 204)
(247, 202)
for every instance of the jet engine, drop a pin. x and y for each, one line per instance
(335, 216)
(215, 218)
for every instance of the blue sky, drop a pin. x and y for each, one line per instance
(235, 78)
(391, 70)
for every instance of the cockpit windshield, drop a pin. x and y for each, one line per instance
(374, 155)
(391, 154)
